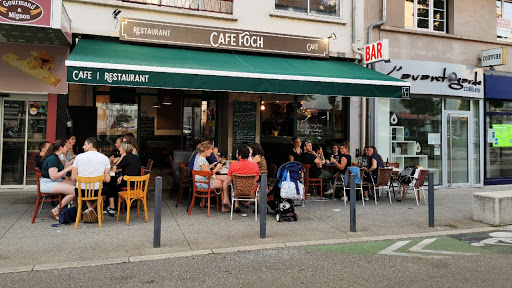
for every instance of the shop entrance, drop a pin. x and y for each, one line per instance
(456, 144)
(23, 128)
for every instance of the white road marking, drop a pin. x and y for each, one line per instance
(391, 251)
(420, 248)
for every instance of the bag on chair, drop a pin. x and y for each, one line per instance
(291, 189)
(68, 215)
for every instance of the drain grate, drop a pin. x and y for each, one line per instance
(25, 200)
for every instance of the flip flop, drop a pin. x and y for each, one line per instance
(56, 216)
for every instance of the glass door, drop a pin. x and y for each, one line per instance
(457, 148)
(23, 128)
(199, 120)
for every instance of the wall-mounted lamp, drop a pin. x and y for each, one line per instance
(116, 13)
(333, 36)
(167, 101)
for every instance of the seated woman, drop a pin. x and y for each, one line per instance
(296, 153)
(212, 158)
(53, 175)
(371, 170)
(320, 152)
(258, 157)
(344, 160)
(218, 181)
(129, 165)
(130, 138)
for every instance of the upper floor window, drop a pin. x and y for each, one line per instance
(426, 14)
(311, 7)
(219, 6)
(504, 19)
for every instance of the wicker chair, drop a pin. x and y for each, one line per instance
(244, 188)
(383, 178)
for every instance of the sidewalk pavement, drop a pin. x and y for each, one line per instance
(25, 246)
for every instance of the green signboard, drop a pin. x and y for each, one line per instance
(502, 135)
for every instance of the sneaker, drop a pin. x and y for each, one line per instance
(344, 198)
(111, 212)
(329, 192)
(366, 198)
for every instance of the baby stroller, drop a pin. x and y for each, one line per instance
(284, 207)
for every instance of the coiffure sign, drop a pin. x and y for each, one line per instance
(26, 12)
(436, 78)
(220, 38)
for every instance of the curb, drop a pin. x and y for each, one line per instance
(133, 259)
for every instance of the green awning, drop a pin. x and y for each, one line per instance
(120, 64)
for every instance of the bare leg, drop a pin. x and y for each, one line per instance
(67, 190)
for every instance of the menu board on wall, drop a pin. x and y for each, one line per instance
(244, 123)
(146, 126)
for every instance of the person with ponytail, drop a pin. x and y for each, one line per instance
(53, 175)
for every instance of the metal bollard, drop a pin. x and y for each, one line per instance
(430, 199)
(352, 203)
(158, 212)
(263, 206)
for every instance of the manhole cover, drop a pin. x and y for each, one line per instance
(25, 200)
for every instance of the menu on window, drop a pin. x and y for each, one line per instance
(244, 123)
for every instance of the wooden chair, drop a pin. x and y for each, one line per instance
(90, 193)
(137, 189)
(184, 182)
(244, 188)
(44, 197)
(419, 181)
(147, 169)
(383, 179)
(316, 182)
(202, 193)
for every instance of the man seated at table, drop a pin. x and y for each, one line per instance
(242, 167)
(43, 146)
(116, 156)
(91, 163)
(316, 171)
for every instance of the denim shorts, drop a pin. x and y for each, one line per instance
(204, 185)
(47, 184)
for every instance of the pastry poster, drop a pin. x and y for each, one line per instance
(33, 68)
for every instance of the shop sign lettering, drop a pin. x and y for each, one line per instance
(110, 77)
(452, 80)
(20, 11)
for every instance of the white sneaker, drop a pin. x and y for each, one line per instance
(366, 198)
(329, 192)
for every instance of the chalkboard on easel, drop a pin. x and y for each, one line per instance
(244, 123)
(147, 126)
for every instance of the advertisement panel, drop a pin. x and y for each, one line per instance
(33, 68)
(27, 12)
(502, 135)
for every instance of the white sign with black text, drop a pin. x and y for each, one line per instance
(494, 57)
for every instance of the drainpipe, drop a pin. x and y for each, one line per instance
(364, 100)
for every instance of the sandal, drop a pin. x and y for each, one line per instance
(55, 215)
(225, 208)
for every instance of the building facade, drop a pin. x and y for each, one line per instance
(445, 126)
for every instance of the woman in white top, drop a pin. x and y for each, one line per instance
(218, 181)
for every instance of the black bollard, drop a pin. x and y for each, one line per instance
(353, 203)
(158, 212)
(430, 199)
(263, 206)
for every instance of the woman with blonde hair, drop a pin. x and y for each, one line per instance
(218, 181)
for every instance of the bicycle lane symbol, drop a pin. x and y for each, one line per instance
(497, 238)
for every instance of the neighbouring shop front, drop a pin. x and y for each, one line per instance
(171, 97)
(32, 75)
(439, 127)
(498, 128)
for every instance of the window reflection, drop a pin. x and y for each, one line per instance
(320, 116)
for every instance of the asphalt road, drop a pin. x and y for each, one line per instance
(287, 267)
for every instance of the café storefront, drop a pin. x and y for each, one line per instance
(35, 43)
(172, 96)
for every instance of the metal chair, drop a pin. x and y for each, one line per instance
(44, 197)
(316, 182)
(359, 182)
(245, 188)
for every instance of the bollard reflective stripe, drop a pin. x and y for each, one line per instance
(263, 206)
(353, 202)
(158, 212)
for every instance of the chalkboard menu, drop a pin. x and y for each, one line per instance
(244, 123)
(146, 126)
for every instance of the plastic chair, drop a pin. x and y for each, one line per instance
(90, 193)
(245, 188)
(203, 193)
(316, 182)
(184, 182)
(418, 185)
(137, 189)
(383, 178)
(44, 197)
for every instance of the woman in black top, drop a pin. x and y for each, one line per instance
(129, 165)
(296, 152)
(345, 158)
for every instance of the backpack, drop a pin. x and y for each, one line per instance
(407, 175)
(68, 215)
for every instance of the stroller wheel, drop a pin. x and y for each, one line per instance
(278, 217)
